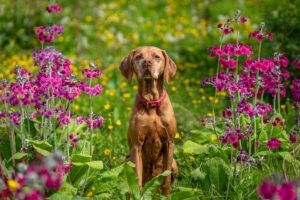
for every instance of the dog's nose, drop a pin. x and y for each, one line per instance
(147, 62)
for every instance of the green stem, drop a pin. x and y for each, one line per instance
(91, 116)
(215, 96)
(68, 140)
(278, 96)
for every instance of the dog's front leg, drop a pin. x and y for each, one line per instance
(137, 141)
(137, 151)
(167, 164)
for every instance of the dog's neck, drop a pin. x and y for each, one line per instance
(151, 89)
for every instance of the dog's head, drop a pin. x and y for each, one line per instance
(148, 63)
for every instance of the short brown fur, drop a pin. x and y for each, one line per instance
(151, 131)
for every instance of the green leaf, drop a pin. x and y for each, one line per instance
(42, 147)
(20, 155)
(81, 158)
(128, 181)
(95, 164)
(202, 136)
(194, 148)
(181, 195)
(67, 189)
(153, 184)
(59, 196)
(287, 156)
(216, 172)
(198, 175)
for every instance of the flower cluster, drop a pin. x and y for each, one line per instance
(260, 36)
(297, 63)
(54, 8)
(47, 33)
(97, 122)
(231, 50)
(74, 138)
(284, 191)
(273, 143)
(296, 89)
(31, 181)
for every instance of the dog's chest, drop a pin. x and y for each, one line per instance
(157, 135)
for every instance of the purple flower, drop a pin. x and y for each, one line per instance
(266, 190)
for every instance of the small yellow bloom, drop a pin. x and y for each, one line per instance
(88, 18)
(76, 107)
(209, 114)
(201, 90)
(177, 135)
(110, 127)
(12, 185)
(106, 151)
(283, 106)
(109, 114)
(93, 188)
(192, 159)
(126, 95)
(211, 98)
(61, 39)
(173, 88)
(129, 108)
(118, 122)
(213, 138)
(90, 194)
(203, 98)
(194, 101)
(184, 150)
(107, 106)
(135, 87)
(114, 158)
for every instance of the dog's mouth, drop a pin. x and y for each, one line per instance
(147, 75)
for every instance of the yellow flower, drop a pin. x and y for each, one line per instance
(173, 88)
(192, 159)
(123, 85)
(12, 185)
(93, 188)
(109, 114)
(114, 158)
(126, 95)
(118, 122)
(135, 87)
(90, 194)
(106, 151)
(201, 90)
(203, 97)
(211, 98)
(209, 114)
(213, 138)
(283, 106)
(76, 107)
(107, 106)
(88, 18)
(61, 39)
(129, 108)
(194, 101)
(177, 135)
(110, 127)
(184, 150)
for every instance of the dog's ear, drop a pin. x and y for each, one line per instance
(170, 67)
(126, 67)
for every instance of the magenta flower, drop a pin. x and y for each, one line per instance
(266, 190)
(243, 20)
(286, 192)
(273, 143)
(259, 37)
(226, 31)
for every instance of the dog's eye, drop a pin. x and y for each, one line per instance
(139, 57)
(156, 56)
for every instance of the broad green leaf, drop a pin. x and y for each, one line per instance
(181, 195)
(59, 196)
(194, 148)
(198, 175)
(202, 136)
(20, 155)
(128, 181)
(153, 184)
(67, 189)
(41, 151)
(287, 156)
(81, 158)
(216, 172)
(95, 164)
(42, 147)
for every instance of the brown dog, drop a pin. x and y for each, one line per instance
(152, 125)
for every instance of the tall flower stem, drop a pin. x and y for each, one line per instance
(215, 96)
(255, 99)
(278, 96)
(91, 116)
(68, 140)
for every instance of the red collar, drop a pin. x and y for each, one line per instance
(152, 104)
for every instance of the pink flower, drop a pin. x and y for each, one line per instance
(267, 190)
(243, 20)
(270, 35)
(259, 37)
(226, 31)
